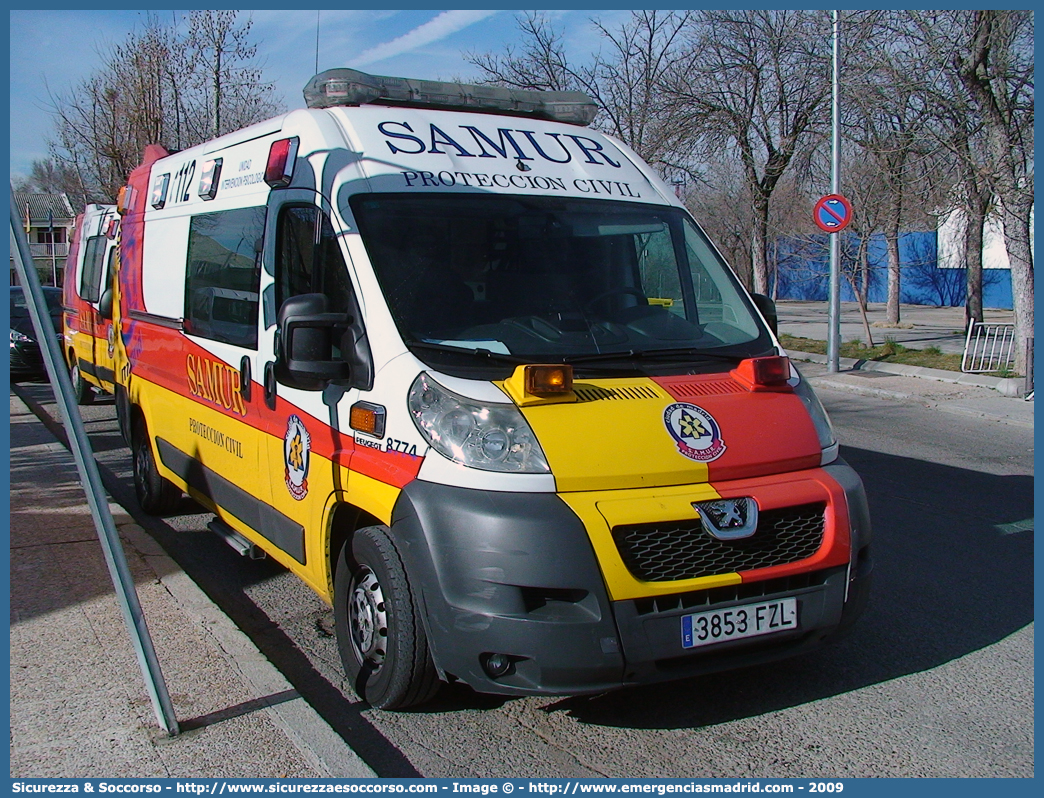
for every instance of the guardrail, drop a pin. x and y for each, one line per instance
(988, 347)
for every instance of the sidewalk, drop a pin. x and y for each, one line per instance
(79, 707)
(927, 325)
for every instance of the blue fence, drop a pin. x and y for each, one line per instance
(804, 268)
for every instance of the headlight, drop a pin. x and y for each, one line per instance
(19, 338)
(492, 437)
(820, 419)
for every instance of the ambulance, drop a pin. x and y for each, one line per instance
(469, 369)
(88, 335)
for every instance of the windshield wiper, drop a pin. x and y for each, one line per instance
(460, 350)
(643, 354)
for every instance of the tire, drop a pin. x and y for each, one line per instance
(82, 392)
(380, 635)
(156, 494)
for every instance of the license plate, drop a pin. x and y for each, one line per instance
(736, 623)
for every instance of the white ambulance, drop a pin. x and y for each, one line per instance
(469, 369)
(89, 337)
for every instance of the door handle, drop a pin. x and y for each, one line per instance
(270, 385)
(245, 378)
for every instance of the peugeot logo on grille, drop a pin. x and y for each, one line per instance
(728, 519)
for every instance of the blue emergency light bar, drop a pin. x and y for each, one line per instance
(343, 86)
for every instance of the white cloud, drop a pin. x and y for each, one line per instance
(445, 24)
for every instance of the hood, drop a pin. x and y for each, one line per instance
(656, 432)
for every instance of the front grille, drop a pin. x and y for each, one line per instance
(697, 600)
(673, 550)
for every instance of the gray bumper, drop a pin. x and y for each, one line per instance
(516, 574)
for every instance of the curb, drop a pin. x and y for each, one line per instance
(880, 393)
(304, 728)
(1005, 386)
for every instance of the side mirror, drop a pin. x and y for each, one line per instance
(304, 347)
(105, 305)
(768, 310)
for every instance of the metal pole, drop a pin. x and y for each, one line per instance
(834, 306)
(91, 479)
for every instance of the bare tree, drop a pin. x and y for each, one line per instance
(722, 204)
(47, 176)
(541, 64)
(221, 60)
(982, 91)
(957, 126)
(996, 68)
(153, 88)
(888, 118)
(757, 81)
(866, 187)
(624, 78)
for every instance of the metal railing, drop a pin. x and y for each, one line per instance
(988, 347)
(49, 250)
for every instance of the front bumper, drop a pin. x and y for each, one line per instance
(517, 574)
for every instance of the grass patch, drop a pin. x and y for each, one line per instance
(888, 352)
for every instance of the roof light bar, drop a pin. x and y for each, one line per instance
(351, 87)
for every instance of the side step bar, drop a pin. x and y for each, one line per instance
(235, 540)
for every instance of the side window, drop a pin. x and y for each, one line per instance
(93, 255)
(718, 298)
(223, 277)
(309, 260)
(110, 270)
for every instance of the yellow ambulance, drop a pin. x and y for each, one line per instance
(89, 337)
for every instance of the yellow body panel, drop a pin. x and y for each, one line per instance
(602, 510)
(373, 496)
(93, 350)
(613, 438)
(253, 460)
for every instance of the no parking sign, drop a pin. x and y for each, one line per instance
(832, 213)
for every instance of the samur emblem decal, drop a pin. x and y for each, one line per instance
(695, 431)
(297, 446)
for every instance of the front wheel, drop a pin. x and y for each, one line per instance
(380, 635)
(82, 391)
(156, 494)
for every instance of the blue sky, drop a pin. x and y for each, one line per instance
(407, 43)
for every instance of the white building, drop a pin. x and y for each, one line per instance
(48, 221)
(951, 237)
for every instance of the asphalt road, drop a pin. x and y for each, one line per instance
(936, 679)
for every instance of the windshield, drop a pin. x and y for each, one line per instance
(503, 280)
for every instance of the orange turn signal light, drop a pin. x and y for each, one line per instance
(764, 373)
(549, 380)
(368, 418)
